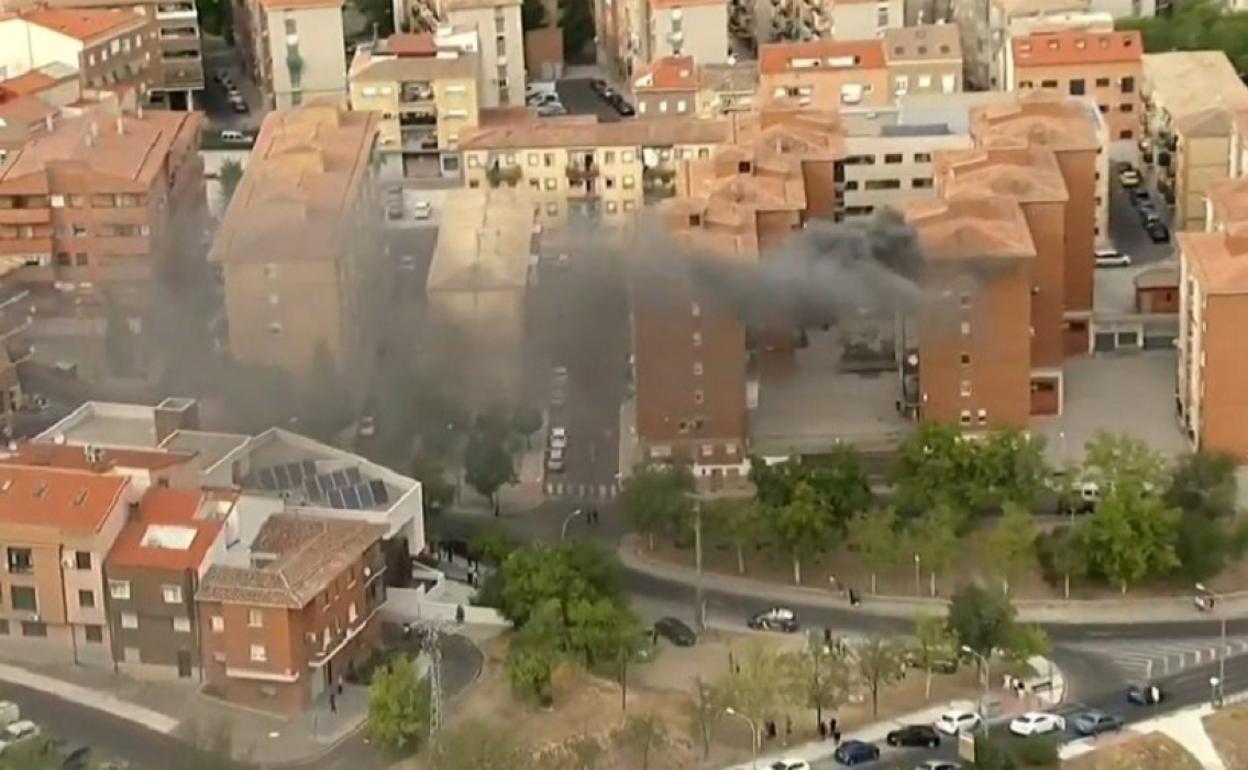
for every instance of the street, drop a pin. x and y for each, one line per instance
(580, 100)
(220, 57)
(1125, 230)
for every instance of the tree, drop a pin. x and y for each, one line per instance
(754, 689)
(840, 483)
(933, 537)
(1204, 483)
(398, 705)
(602, 629)
(739, 522)
(1010, 467)
(642, 736)
(774, 482)
(493, 545)
(880, 662)
(706, 709)
(1123, 463)
(231, 175)
(1026, 641)
(932, 466)
(935, 645)
(816, 677)
(532, 15)
(873, 536)
(1131, 536)
(478, 745)
(529, 667)
(1196, 26)
(801, 528)
(656, 499)
(526, 421)
(1010, 544)
(576, 18)
(533, 576)
(488, 465)
(981, 620)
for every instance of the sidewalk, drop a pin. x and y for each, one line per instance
(1162, 609)
(1186, 727)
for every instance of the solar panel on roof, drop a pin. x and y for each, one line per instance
(353, 475)
(340, 479)
(366, 495)
(312, 489)
(266, 478)
(380, 494)
(326, 481)
(335, 499)
(296, 473)
(351, 497)
(283, 478)
(309, 467)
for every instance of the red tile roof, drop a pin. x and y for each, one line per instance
(670, 73)
(32, 82)
(53, 497)
(151, 539)
(1077, 48)
(410, 44)
(81, 23)
(776, 58)
(75, 457)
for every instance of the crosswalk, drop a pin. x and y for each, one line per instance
(575, 491)
(1154, 658)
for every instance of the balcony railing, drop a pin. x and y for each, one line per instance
(581, 171)
(497, 174)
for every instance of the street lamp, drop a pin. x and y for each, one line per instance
(918, 575)
(1217, 599)
(563, 531)
(987, 678)
(730, 711)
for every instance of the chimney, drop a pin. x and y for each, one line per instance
(174, 414)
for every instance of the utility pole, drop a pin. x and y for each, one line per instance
(432, 633)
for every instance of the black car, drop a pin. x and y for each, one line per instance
(914, 735)
(1140, 196)
(622, 106)
(598, 85)
(1147, 213)
(1142, 695)
(1157, 231)
(675, 631)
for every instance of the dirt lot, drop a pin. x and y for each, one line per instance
(1145, 752)
(1229, 732)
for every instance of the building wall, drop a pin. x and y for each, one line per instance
(486, 330)
(182, 65)
(1190, 384)
(1114, 87)
(926, 77)
(651, 103)
(1157, 300)
(25, 46)
(825, 88)
(153, 647)
(1199, 162)
(911, 171)
(700, 31)
(996, 309)
(1224, 412)
(1123, 9)
(1079, 172)
(317, 36)
(865, 20)
(502, 58)
(127, 58)
(1047, 223)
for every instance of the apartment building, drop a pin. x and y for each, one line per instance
(602, 171)
(726, 89)
(56, 527)
(476, 291)
(1075, 132)
(297, 246)
(849, 19)
(667, 86)
(926, 59)
(1238, 159)
(973, 369)
(293, 48)
(499, 32)
(1190, 130)
(425, 102)
(985, 25)
(112, 49)
(823, 74)
(29, 102)
(1041, 24)
(287, 614)
(1103, 66)
(102, 200)
(153, 571)
(1032, 178)
(695, 28)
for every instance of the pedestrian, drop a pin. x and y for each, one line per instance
(333, 704)
(340, 683)
(732, 664)
(771, 729)
(459, 614)
(832, 725)
(788, 729)
(836, 738)
(823, 730)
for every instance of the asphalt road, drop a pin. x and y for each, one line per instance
(218, 56)
(580, 100)
(1125, 229)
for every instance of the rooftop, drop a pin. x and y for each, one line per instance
(294, 558)
(579, 132)
(126, 148)
(375, 67)
(408, 44)
(742, 76)
(776, 58)
(1169, 77)
(925, 42)
(1040, 7)
(294, 5)
(1077, 47)
(1228, 202)
(1219, 263)
(300, 187)
(1040, 118)
(484, 241)
(84, 24)
(210, 447)
(1027, 174)
(173, 529)
(974, 229)
(105, 424)
(54, 497)
(83, 458)
(669, 73)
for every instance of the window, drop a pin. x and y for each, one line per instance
(964, 300)
(964, 388)
(58, 201)
(1078, 87)
(698, 397)
(1126, 134)
(93, 633)
(881, 16)
(23, 598)
(697, 339)
(982, 416)
(697, 368)
(1048, 84)
(33, 628)
(893, 157)
(20, 560)
(82, 559)
(80, 231)
(1128, 85)
(258, 653)
(629, 183)
(275, 328)
(255, 619)
(965, 358)
(352, 614)
(182, 625)
(925, 81)
(1126, 107)
(536, 184)
(217, 623)
(86, 599)
(922, 157)
(921, 183)
(172, 594)
(966, 328)
(550, 184)
(533, 159)
(129, 620)
(1102, 82)
(882, 184)
(4, 627)
(119, 589)
(965, 417)
(901, 84)
(291, 28)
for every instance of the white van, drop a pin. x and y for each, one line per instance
(1111, 258)
(9, 713)
(229, 135)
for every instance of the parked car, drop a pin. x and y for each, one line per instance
(957, 721)
(407, 263)
(551, 109)
(1129, 177)
(789, 764)
(239, 106)
(1112, 258)
(554, 461)
(598, 86)
(73, 756)
(622, 106)
(914, 735)
(675, 631)
(939, 764)
(943, 665)
(1097, 722)
(1148, 213)
(856, 752)
(422, 210)
(1140, 195)
(20, 730)
(1037, 723)
(1142, 695)
(1157, 231)
(394, 212)
(368, 426)
(558, 438)
(774, 619)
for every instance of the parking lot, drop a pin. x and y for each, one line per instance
(1126, 230)
(218, 58)
(580, 99)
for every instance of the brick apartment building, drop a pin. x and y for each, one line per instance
(1105, 66)
(823, 74)
(1073, 132)
(293, 48)
(102, 201)
(298, 245)
(667, 86)
(1031, 177)
(974, 370)
(292, 612)
(924, 59)
(56, 527)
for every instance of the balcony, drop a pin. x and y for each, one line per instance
(579, 172)
(415, 92)
(498, 174)
(178, 11)
(419, 138)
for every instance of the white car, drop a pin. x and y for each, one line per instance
(1037, 723)
(957, 721)
(422, 210)
(368, 426)
(20, 730)
(558, 438)
(554, 461)
(789, 764)
(1112, 258)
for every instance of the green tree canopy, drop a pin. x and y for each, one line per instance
(1204, 483)
(840, 482)
(488, 464)
(532, 15)
(801, 528)
(934, 537)
(1130, 537)
(656, 499)
(603, 629)
(1010, 544)
(934, 646)
(981, 620)
(755, 688)
(737, 522)
(874, 536)
(398, 705)
(816, 677)
(1195, 25)
(564, 572)
(880, 662)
